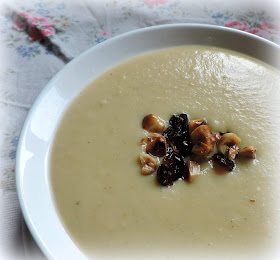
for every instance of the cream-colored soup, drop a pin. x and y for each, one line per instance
(111, 210)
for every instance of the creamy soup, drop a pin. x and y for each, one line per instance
(111, 211)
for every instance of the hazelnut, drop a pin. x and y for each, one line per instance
(249, 152)
(217, 136)
(147, 139)
(196, 123)
(149, 164)
(193, 170)
(201, 149)
(229, 144)
(153, 123)
(203, 134)
(156, 146)
(232, 152)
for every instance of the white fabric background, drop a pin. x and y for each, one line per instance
(80, 25)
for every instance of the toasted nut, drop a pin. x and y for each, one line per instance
(232, 152)
(196, 123)
(249, 152)
(228, 140)
(147, 139)
(148, 163)
(203, 134)
(217, 136)
(201, 149)
(156, 146)
(193, 170)
(153, 123)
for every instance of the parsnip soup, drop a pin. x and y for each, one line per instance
(110, 210)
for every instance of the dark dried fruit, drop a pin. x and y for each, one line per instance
(178, 135)
(156, 146)
(224, 161)
(178, 127)
(171, 169)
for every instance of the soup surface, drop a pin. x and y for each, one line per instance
(111, 210)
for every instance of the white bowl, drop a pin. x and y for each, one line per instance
(33, 155)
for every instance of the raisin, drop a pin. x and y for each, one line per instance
(164, 176)
(171, 169)
(224, 161)
(160, 147)
(156, 146)
(184, 147)
(177, 133)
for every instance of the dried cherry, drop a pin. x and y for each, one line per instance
(177, 133)
(156, 145)
(224, 161)
(171, 169)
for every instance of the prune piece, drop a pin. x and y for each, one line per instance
(159, 147)
(156, 146)
(178, 127)
(171, 169)
(164, 176)
(184, 147)
(224, 161)
(177, 133)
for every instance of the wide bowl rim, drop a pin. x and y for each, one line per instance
(19, 156)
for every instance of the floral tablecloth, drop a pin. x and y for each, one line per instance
(37, 38)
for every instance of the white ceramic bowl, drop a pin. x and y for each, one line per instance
(33, 155)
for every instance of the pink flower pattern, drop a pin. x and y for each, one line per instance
(41, 21)
(24, 14)
(155, 2)
(270, 28)
(48, 30)
(265, 29)
(104, 33)
(39, 27)
(19, 23)
(240, 25)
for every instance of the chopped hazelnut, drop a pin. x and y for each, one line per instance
(156, 146)
(153, 123)
(148, 163)
(203, 134)
(147, 139)
(249, 152)
(232, 152)
(201, 149)
(193, 170)
(229, 144)
(196, 123)
(217, 136)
